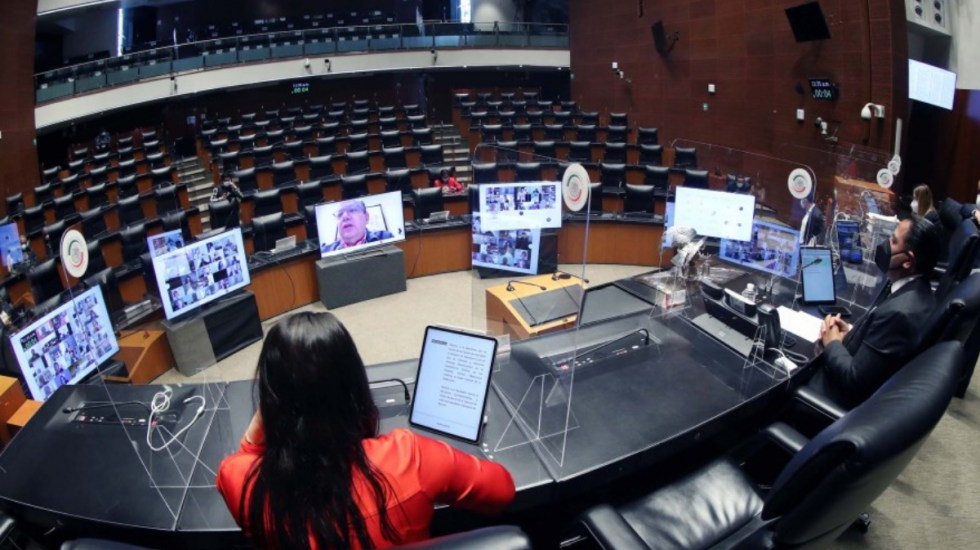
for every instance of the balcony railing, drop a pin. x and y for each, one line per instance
(256, 48)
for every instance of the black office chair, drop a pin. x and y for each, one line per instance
(394, 158)
(964, 245)
(422, 136)
(685, 157)
(71, 184)
(473, 198)
(828, 483)
(580, 151)
(34, 220)
(267, 202)
(545, 152)
(133, 240)
(585, 132)
(15, 203)
(326, 145)
(357, 142)
(399, 180)
(507, 153)
(126, 168)
(178, 220)
(639, 198)
(294, 151)
(330, 129)
(647, 136)
(228, 162)
(45, 281)
(523, 133)
(352, 187)
(156, 160)
(96, 261)
(528, 171)
(309, 220)
(387, 122)
(273, 138)
(357, 163)
(53, 234)
(223, 214)
(302, 133)
(43, 195)
(426, 201)
(283, 173)
(612, 176)
(595, 198)
(651, 155)
(618, 119)
(696, 178)
(432, 155)
(126, 186)
(485, 173)
(391, 138)
(263, 156)
(166, 198)
(359, 126)
(321, 168)
(614, 153)
(96, 196)
(658, 177)
(554, 132)
(93, 224)
(266, 230)
(64, 207)
(309, 193)
(130, 210)
(491, 133)
(956, 318)
(587, 118)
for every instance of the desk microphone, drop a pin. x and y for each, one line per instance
(559, 274)
(813, 263)
(510, 285)
(408, 397)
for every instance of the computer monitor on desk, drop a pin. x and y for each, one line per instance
(772, 249)
(353, 225)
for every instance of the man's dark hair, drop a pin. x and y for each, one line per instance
(925, 242)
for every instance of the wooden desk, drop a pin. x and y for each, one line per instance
(22, 416)
(281, 288)
(437, 251)
(146, 354)
(11, 399)
(612, 243)
(502, 318)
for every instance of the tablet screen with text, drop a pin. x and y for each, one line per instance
(818, 275)
(452, 383)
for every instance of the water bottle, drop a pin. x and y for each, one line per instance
(749, 292)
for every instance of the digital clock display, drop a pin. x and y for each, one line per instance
(823, 89)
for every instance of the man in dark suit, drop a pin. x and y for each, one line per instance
(858, 359)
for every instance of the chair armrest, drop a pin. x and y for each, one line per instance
(819, 403)
(786, 437)
(608, 528)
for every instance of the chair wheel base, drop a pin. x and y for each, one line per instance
(862, 524)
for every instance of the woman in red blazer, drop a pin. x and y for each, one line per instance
(312, 471)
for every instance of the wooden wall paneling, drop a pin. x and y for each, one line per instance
(18, 155)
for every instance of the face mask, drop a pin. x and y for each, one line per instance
(915, 206)
(884, 255)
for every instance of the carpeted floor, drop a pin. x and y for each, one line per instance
(935, 503)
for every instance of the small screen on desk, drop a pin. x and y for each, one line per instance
(772, 249)
(64, 346)
(452, 383)
(356, 224)
(201, 272)
(818, 275)
(517, 205)
(514, 250)
(715, 213)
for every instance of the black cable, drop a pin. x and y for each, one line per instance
(408, 396)
(67, 410)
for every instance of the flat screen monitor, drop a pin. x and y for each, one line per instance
(668, 239)
(10, 250)
(715, 213)
(931, 85)
(848, 241)
(201, 272)
(356, 224)
(520, 205)
(772, 249)
(515, 250)
(65, 345)
(818, 275)
(452, 383)
(161, 243)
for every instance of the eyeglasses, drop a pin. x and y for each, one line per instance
(350, 209)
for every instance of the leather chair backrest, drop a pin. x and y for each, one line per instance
(266, 230)
(837, 475)
(955, 316)
(963, 248)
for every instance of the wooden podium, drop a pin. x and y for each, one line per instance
(504, 318)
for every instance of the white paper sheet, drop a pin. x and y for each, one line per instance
(799, 323)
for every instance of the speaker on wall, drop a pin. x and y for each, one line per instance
(808, 22)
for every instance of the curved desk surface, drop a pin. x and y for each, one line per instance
(640, 408)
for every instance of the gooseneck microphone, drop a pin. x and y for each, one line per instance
(559, 274)
(813, 263)
(510, 285)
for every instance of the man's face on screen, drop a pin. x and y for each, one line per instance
(353, 219)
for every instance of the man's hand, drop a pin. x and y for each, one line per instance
(833, 329)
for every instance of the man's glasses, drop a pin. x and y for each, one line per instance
(350, 209)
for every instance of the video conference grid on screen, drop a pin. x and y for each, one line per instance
(508, 250)
(715, 213)
(201, 272)
(355, 224)
(162, 243)
(773, 249)
(507, 206)
(65, 345)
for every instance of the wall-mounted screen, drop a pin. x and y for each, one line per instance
(66, 345)
(715, 213)
(520, 205)
(514, 250)
(356, 224)
(201, 272)
(10, 249)
(773, 248)
(168, 241)
(931, 85)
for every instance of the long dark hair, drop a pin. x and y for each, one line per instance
(316, 410)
